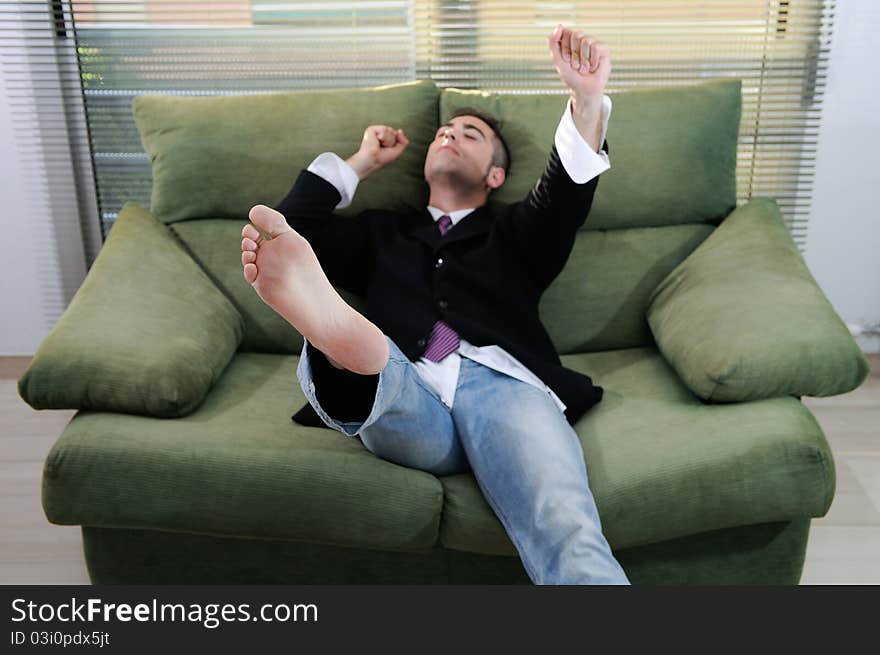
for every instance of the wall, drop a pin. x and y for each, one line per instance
(843, 242)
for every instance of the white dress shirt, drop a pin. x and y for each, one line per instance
(581, 163)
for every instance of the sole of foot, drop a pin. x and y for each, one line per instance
(286, 274)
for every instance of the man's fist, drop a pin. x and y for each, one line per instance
(583, 63)
(380, 146)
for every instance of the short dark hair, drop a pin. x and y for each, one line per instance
(501, 153)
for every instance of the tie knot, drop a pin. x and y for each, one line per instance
(444, 223)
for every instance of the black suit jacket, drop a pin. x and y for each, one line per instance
(484, 278)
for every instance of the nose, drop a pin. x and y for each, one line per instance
(453, 131)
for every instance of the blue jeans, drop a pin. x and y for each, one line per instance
(525, 457)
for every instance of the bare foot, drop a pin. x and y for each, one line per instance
(286, 274)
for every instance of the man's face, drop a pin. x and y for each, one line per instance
(461, 153)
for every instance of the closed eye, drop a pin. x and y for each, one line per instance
(468, 131)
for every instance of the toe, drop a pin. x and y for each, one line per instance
(250, 273)
(248, 257)
(248, 244)
(268, 220)
(251, 232)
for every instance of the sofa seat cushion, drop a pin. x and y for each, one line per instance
(663, 464)
(238, 466)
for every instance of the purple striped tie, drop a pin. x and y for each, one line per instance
(443, 339)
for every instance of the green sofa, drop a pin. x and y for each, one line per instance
(698, 317)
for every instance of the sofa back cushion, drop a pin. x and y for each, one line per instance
(672, 150)
(598, 302)
(600, 299)
(218, 156)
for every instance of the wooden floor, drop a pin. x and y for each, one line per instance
(844, 546)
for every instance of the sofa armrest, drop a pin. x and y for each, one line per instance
(742, 318)
(146, 333)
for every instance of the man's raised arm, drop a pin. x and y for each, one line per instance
(545, 224)
(584, 65)
(380, 146)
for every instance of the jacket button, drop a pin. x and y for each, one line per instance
(421, 343)
(438, 263)
(442, 303)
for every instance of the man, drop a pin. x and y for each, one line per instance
(454, 371)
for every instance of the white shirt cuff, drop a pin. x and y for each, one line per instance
(337, 172)
(581, 162)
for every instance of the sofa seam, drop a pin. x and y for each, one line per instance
(829, 495)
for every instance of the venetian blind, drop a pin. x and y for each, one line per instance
(75, 66)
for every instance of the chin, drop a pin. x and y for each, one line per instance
(438, 173)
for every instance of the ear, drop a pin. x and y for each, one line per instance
(496, 177)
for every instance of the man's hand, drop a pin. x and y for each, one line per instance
(380, 146)
(582, 61)
(584, 65)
